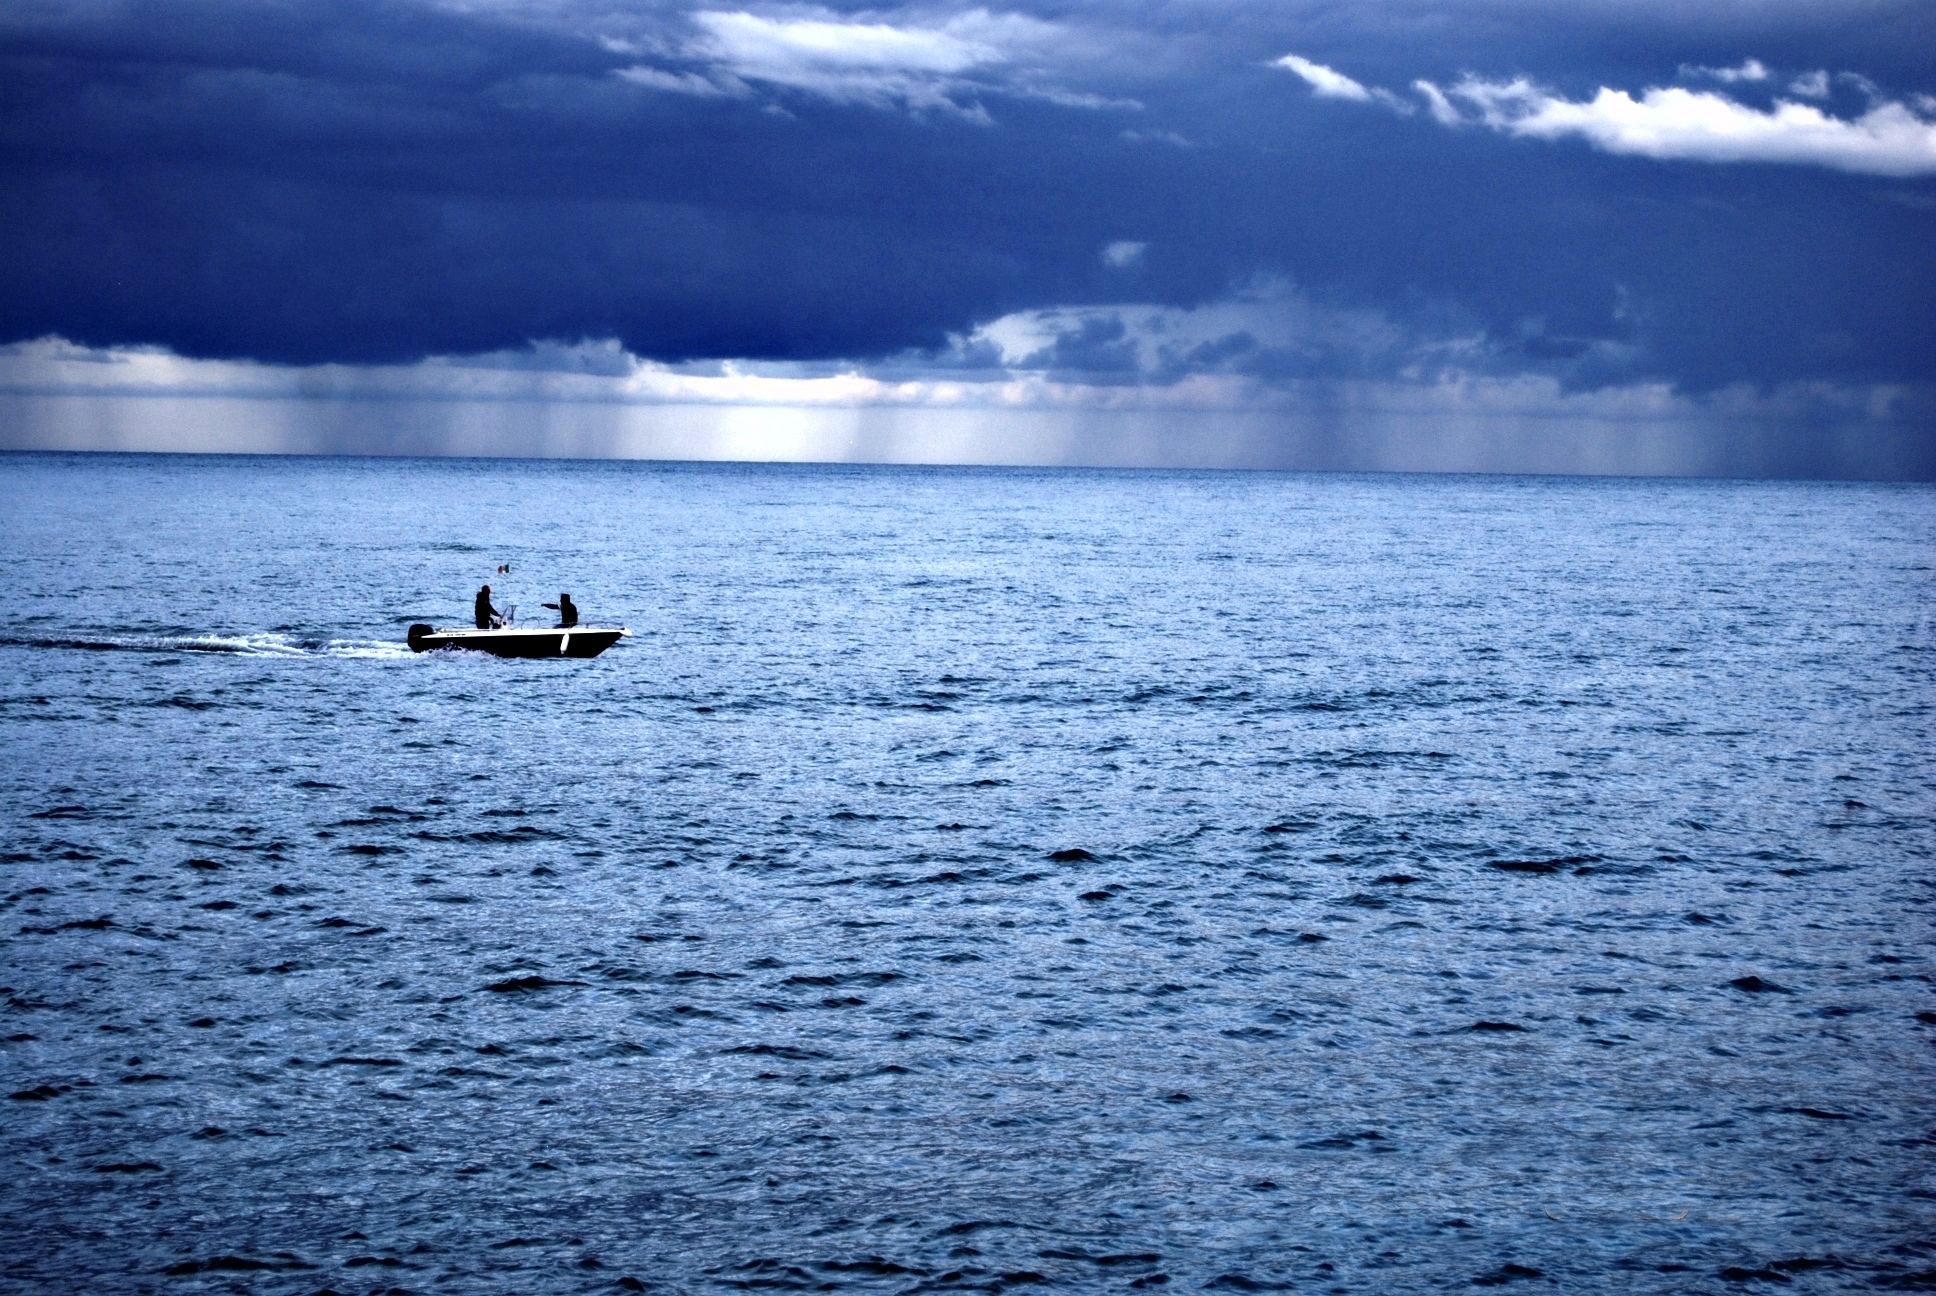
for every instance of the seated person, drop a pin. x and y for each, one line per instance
(567, 611)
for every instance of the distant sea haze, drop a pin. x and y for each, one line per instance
(964, 879)
(56, 397)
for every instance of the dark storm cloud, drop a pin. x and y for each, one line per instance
(378, 182)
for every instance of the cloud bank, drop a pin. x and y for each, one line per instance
(1246, 382)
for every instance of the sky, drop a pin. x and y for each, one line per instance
(1616, 236)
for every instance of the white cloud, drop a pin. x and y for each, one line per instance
(942, 67)
(804, 51)
(1672, 123)
(1441, 108)
(1325, 83)
(1242, 347)
(1123, 254)
(1810, 85)
(1172, 138)
(690, 83)
(1750, 70)
(1328, 83)
(1869, 89)
(1677, 124)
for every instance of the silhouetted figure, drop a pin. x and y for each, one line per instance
(567, 611)
(487, 616)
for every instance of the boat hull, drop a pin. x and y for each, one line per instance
(579, 641)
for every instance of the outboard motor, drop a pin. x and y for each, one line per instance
(416, 636)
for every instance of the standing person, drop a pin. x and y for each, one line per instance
(567, 611)
(487, 617)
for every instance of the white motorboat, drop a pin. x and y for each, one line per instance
(560, 641)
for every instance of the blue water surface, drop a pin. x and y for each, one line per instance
(964, 880)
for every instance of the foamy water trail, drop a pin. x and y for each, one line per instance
(244, 645)
(375, 649)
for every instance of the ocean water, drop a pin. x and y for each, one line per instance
(965, 880)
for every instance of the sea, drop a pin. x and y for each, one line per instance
(964, 879)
